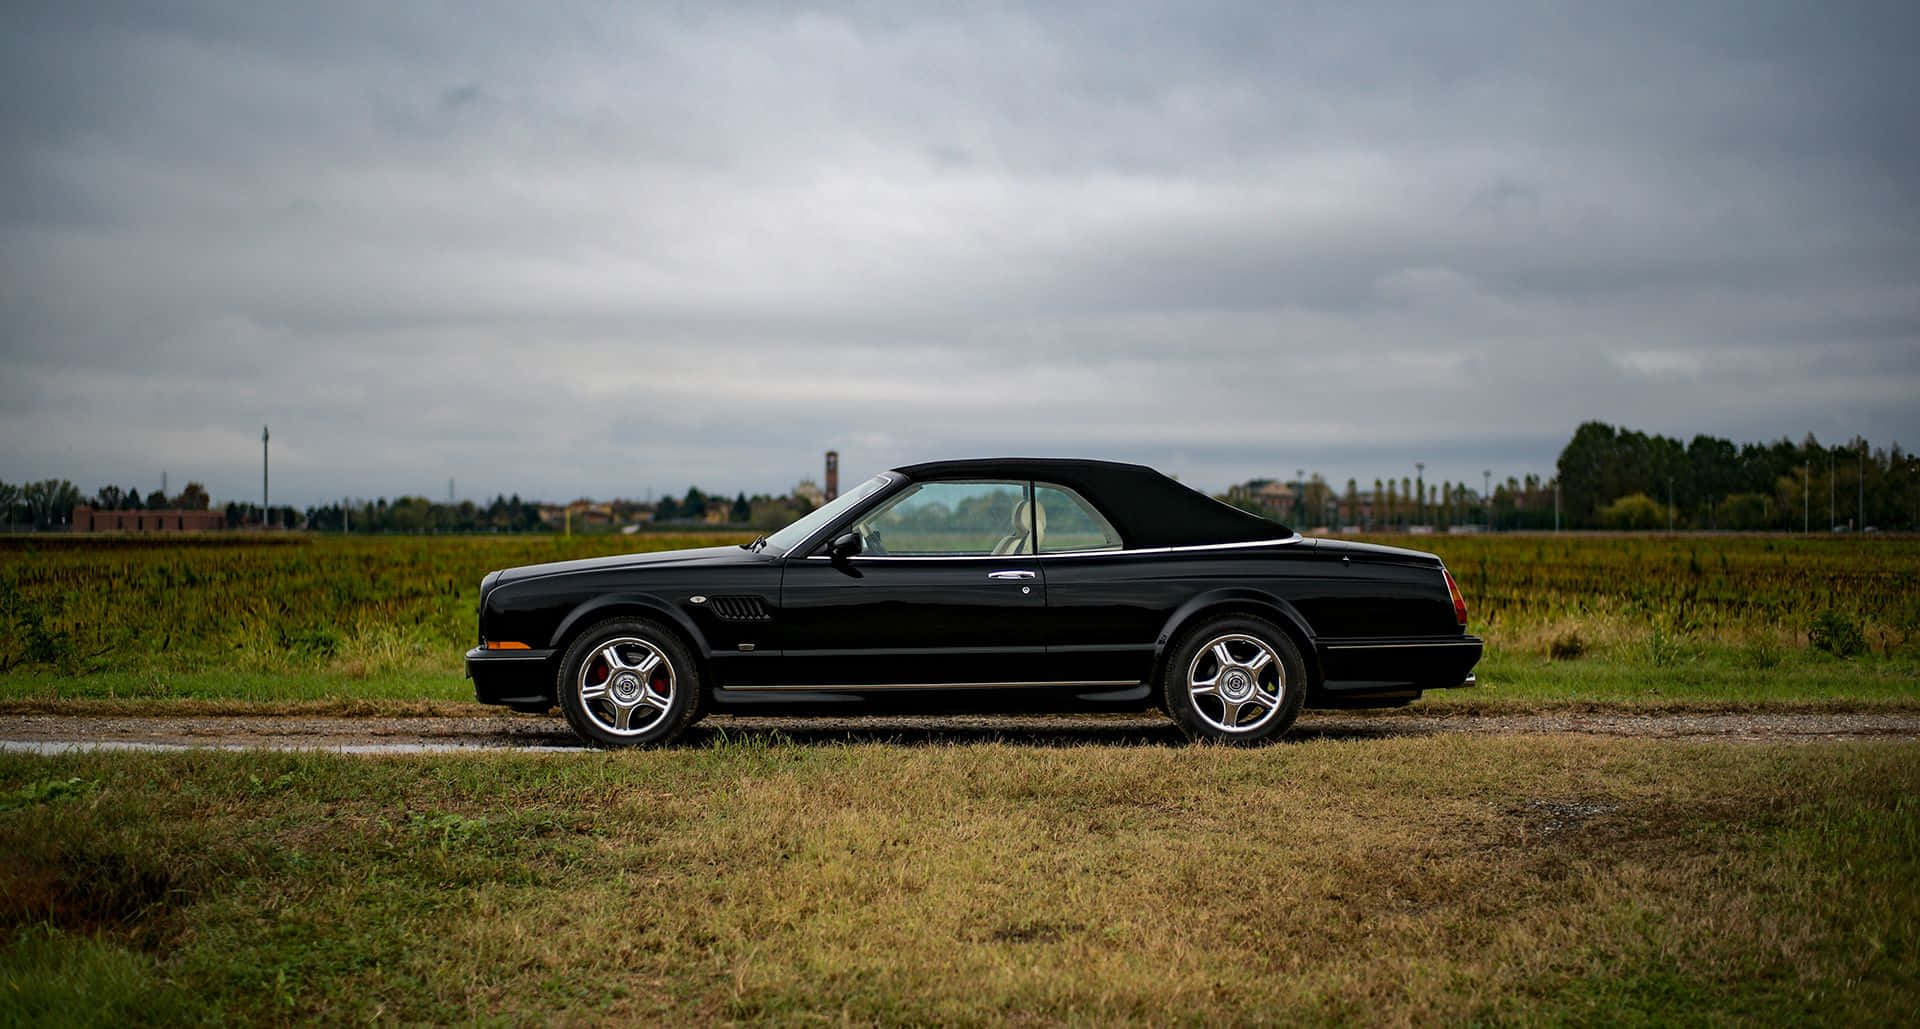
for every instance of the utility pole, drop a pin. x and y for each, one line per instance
(1420, 488)
(346, 516)
(265, 518)
(1486, 494)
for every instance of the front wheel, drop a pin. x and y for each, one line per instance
(628, 683)
(1235, 680)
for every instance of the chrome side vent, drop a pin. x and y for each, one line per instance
(739, 609)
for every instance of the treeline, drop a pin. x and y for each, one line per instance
(49, 504)
(418, 514)
(1623, 479)
(40, 505)
(760, 511)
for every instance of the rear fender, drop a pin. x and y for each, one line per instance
(1238, 599)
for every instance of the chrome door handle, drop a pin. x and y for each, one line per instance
(1009, 575)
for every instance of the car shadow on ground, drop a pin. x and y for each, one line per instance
(1026, 734)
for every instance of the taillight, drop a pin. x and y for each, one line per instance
(1459, 602)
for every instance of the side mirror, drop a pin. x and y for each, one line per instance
(844, 546)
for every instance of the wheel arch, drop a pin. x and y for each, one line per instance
(1239, 601)
(599, 609)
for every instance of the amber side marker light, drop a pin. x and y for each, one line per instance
(1459, 602)
(509, 645)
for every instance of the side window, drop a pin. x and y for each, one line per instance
(950, 518)
(1065, 522)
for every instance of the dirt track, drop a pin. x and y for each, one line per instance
(47, 733)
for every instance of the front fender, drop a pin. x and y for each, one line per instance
(642, 604)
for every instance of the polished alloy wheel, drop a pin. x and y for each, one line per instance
(626, 686)
(1236, 682)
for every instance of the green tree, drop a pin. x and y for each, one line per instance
(194, 497)
(1743, 512)
(1634, 511)
(742, 511)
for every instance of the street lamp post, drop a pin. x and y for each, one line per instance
(1486, 494)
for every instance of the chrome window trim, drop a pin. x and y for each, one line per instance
(1295, 538)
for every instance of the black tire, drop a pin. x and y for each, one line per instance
(1236, 711)
(651, 717)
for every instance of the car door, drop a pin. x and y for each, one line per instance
(945, 593)
(1105, 606)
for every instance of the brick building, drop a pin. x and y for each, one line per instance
(87, 519)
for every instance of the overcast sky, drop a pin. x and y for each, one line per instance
(607, 249)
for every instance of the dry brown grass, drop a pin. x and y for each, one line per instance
(1376, 881)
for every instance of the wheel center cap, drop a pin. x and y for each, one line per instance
(1237, 684)
(628, 686)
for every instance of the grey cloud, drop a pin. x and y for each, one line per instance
(575, 249)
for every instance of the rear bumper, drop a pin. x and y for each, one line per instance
(1397, 664)
(511, 676)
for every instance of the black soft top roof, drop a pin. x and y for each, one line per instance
(1149, 509)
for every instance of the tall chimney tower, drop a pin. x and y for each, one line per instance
(833, 474)
(266, 519)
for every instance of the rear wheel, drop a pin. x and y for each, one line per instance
(628, 683)
(1237, 679)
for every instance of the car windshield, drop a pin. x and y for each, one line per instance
(794, 535)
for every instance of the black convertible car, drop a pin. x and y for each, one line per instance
(988, 585)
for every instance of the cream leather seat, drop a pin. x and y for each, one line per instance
(1018, 541)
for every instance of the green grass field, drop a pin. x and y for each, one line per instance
(1521, 879)
(1649, 620)
(1447, 878)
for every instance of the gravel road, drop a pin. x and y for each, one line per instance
(56, 733)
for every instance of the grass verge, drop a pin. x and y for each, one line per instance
(1457, 879)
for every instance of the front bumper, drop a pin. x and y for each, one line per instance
(511, 676)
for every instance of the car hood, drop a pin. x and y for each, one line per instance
(727, 555)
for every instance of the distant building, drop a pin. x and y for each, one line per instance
(579, 514)
(87, 519)
(810, 493)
